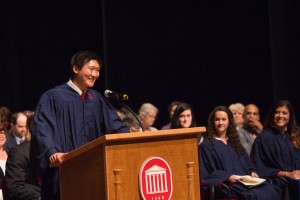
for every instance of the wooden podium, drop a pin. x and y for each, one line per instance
(108, 168)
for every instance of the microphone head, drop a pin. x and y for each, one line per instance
(125, 97)
(106, 93)
(115, 95)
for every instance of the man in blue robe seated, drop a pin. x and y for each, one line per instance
(69, 116)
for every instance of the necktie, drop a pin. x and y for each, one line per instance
(82, 96)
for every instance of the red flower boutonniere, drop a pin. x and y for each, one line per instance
(90, 96)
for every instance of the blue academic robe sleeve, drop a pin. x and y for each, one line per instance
(272, 152)
(210, 165)
(63, 122)
(218, 161)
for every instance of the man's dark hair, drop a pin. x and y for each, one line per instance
(15, 117)
(80, 58)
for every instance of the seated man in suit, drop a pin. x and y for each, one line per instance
(18, 130)
(21, 175)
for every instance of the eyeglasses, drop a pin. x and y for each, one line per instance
(151, 116)
(2, 131)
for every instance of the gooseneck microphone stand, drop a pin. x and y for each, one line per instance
(119, 98)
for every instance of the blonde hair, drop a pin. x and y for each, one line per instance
(147, 108)
(237, 107)
(29, 123)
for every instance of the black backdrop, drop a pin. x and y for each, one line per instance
(206, 53)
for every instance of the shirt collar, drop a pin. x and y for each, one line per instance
(72, 85)
(18, 139)
(217, 138)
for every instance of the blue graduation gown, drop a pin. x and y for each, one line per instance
(64, 122)
(219, 161)
(273, 152)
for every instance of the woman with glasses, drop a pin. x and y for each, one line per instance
(148, 113)
(3, 156)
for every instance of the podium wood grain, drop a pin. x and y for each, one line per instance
(88, 172)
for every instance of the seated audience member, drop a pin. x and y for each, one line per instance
(21, 171)
(5, 116)
(18, 130)
(148, 113)
(246, 137)
(3, 155)
(251, 120)
(276, 151)
(183, 117)
(222, 158)
(237, 110)
(171, 110)
(132, 122)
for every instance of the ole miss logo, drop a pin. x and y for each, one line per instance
(155, 179)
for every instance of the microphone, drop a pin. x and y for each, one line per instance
(115, 95)
(122, 97)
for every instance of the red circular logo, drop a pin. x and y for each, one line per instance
(155, 179)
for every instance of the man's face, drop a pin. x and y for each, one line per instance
(251, 113)
(87, 75)
(20, 129)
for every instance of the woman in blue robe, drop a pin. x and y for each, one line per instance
(69, 116)
(222, 159)
(276, 151)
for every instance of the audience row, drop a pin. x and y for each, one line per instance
(236, 144)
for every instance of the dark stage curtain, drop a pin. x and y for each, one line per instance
(206, 53)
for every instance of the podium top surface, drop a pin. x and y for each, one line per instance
(151, 134)
(133, 136)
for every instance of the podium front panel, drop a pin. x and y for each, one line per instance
(130, 155)
(83, 177)
(88, 171)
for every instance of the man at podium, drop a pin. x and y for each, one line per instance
(69, 116)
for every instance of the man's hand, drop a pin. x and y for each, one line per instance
(56, 159)
(257, 124)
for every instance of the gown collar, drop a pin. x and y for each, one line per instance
(72, 85)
